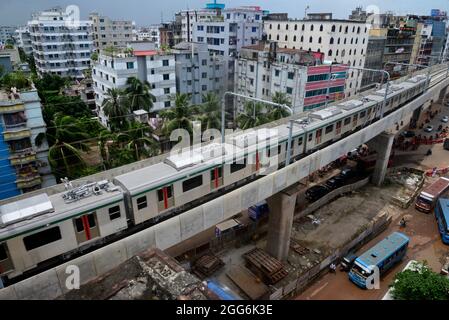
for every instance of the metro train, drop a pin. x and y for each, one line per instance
(39, 230)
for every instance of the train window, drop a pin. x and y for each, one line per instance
(347, 121)
(142, 202)
(329, 128)
(355, 118)
(309, 138)
(237, 166)
(3, 255)
(279, 149)
(160, 193)
(192, 183)
(114, 213)
(79, 225)
(219, 171)
(299, 141)
(362, 114)
(42, 238)
(91, 219)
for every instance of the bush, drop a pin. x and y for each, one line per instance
(15, 79)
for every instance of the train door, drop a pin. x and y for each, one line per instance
(5, 259)
(318, 136)
(338, 127)
(216, 178)
(86, 227)
(354, 121)
(165, 198)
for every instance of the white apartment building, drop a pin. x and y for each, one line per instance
(240, 27)
(144, 62)
(6, 33)
(23, 40)
(198, 71)
(342, 41)
(107, 32)
(59, 46)
(151, 33)
(264, 69)
(189, 17)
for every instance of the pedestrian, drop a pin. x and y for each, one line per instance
(333, 267)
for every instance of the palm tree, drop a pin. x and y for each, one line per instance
(138, 138)
(139, 94)
(180, 116)
(66, 143)
(115, 107)
(276, 113)
(210, 109)
(252, 116)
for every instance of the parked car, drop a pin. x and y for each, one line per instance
(348, 173)
(408, 134)
(316, 192)
(428, 128)
(347, 262)
(445, 119)
(335, 182)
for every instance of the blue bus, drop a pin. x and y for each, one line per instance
(442, 216)
(384, 255)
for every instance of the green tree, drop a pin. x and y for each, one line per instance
(210, 112)
(66, 142)
(15, 79)
(252, 116)
(276, 113)
(138, 138)
(71, 106)
(50, 85)
(94, 56)
(116, 108)
(139, 95)
(420, 283)
(180, 116)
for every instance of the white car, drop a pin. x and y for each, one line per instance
(428, 128)
(445, 119)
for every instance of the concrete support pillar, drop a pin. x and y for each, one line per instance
(382, 144)
(282, 209)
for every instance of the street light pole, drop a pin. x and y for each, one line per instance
(328, 85)
(223, 104)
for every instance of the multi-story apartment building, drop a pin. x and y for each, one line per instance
(145, 62)
(107, 32)
(23, 40)
(226, 34)
(374, 58)
(264, 69)
(6, 33)
(60, 46)
(341, 41)
(198, 71)
(189, 17)
(170, 34)
(23, 165)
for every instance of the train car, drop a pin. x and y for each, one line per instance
(36, 229)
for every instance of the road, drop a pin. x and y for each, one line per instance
(425, 241)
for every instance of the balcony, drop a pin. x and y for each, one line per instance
(28, 182)
(16, 135)
(10, 106)
(22, 157)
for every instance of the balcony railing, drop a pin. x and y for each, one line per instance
(28, 183)
(15, 135)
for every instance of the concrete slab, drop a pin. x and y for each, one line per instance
(44, 286)
(232, 204)
(250, 195)
(167, 233)
(109, 257)
(191, 223)
(280, 180)
(213, 212)
(86, 267)
(8, 293)
(139, 242)
(265, 189)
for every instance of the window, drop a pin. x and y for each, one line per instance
(42, 238)
(309, 138)
(276, 73)
(311, 27)
(160, 193)
(166, 90)
(333, 28)
(303, 27)
(296, 27)
(310, 40)
(165, 63)
(167, 104)
(331, 41)
(291, 75)
(329, 129)
(289, 90)
(319, 40)
(294, 38)
(142, 202)
(299, 141)
(192, 183)
(204, 87)
(166, 76)
(204, 62)
(3, 255)
(346, 29)
(114, 213)
(339, 30)
(130, 65)
(302, 38)
(238, 166)
(347, 121)
(279, 27)
(329, 53)
(254, 29)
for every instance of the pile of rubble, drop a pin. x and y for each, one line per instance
(151, 275)
(411, 180)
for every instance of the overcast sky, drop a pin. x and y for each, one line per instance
(145, 12)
